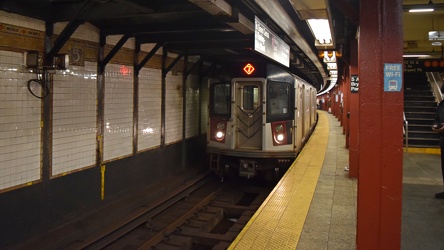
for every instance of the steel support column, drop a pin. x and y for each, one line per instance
(47, 103)
(354, 113)
(100, 100)
(380, 127)
(136, 97)
(346, 106)
(163, 96)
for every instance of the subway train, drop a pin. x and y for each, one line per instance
(260, 116)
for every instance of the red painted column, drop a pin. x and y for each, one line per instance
(341, 104)
(336, 102)
(380, 132)
(346, 106)
(353, 157)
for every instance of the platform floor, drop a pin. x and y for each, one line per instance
(314, 205)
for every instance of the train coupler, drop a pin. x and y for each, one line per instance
(247, 168)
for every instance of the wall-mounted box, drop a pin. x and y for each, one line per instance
(32, 59)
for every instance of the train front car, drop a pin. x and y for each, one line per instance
(253, 116)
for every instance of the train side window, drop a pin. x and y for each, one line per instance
(279, 99)
(220, 99)
(250, 97)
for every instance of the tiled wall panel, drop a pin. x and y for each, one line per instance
(86, 31)
(204, 110)
(150, 91)
(192, 110)
(21, 21)
(114, 39)
(173, 106)
(74, 118)
(20, 115)
(118, 134)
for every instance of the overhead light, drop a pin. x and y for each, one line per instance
(321, 31)
(333, 81)
(332, 65)
(436, 43)
(423, 7)
(417, 56)
(329, 56)
(422, 10)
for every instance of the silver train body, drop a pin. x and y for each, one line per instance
(258, 122)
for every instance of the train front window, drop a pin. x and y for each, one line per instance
(250, 97)
(279, 96)
(221, 99)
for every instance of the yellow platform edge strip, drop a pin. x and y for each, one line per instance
(266, 229)
(432, 151)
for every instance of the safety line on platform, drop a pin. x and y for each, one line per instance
(278, 223)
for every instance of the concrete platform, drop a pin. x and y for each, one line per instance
(329, 221)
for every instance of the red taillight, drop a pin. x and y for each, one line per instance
(218, 129)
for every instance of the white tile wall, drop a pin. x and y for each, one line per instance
(118, 134)
(75, 111)
(74, 118)
(20, 115)
(87, 31)
(173, 107)
(204, 110)
(22, 21)
(147, 47)
(113, 40)
(192, 110)
(150, 97)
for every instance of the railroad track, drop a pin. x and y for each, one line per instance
(201, 214)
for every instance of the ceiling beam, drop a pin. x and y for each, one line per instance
(222, 9)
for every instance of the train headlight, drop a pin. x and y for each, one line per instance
(218, 130)
(219, 135)
(281, 133)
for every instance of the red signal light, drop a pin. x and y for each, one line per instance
(249, 69)
(124, 70)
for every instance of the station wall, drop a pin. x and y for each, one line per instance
(35, 195)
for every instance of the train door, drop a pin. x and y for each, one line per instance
(307, 104)
(310, 104)
(314, 105)
(298, 115)
(302, 111)
(248, 114)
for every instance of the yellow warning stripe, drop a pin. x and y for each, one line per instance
(432, 151)
(278, 223)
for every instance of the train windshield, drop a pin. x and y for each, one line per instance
(279, 100)
(220, 100)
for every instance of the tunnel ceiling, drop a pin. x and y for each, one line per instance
(186, 27)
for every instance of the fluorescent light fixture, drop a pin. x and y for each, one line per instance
(333, 82)
(422, 10)
(329, 57)
(429, 7)
(417, 55)
(332, 65)
(321, 31)
(436, 43)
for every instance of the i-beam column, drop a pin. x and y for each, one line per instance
(380, 125)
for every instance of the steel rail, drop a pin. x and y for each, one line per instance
(126, 225)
